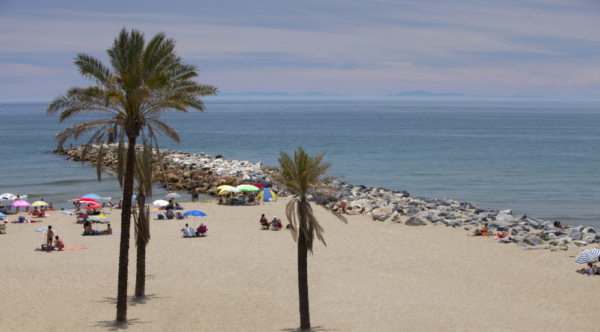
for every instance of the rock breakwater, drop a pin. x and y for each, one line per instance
(187, 171)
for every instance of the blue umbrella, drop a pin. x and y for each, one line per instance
(2, 215)
(173, 195)
(92, 196)
(195, 213)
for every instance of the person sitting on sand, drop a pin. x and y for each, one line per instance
(275, 223)
(480, 232)
(264, 221)
(49, 237)
(108, 230)
(51, 207)
(591, 270)
(58, 243)
(188, 231)
(120, 205)
(220, 200)
(35, 212)
(201, 230)
(178, 207)
(87, 226)
(27, 210)
(558, 225)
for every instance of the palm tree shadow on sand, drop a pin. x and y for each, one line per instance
(312, 329)
(113, 325)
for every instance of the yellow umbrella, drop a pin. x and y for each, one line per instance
(224, 186)
(39, 203)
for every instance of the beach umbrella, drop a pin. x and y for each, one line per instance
(229, 190)
(267, 195)
(92, 196)
(44, 229)
(224, 186)
(97, 218)
(2, 215)
(588, 256)
(259, 185)
(20, 203)
(195, 213)
(88, 201)
(160, 202)
(8, 196)
(247, 187)
(173, 195)
(39, 203)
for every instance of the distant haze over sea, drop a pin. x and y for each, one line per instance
(405, 95)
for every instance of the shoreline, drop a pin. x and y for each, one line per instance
(187, 171)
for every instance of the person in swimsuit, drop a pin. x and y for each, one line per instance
(49, 238)
(479, 232)
(58, 243)
(108, 230)
(264, 221)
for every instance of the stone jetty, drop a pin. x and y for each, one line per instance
(205, 173)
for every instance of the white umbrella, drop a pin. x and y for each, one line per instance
(160, 202)
(588, 256)
(173, 195)
(44, 229)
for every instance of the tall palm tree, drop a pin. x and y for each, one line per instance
(145, 81)
(304, 175)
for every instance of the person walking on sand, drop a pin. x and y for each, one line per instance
(49, 238)
(58, 243)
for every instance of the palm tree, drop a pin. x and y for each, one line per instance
(145, 81)
(304, 175)
(145, 176)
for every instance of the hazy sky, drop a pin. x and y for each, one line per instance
(361, 48)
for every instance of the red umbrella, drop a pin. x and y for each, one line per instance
(88, 201)
(260, 185)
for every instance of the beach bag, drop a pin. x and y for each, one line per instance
(160, 216)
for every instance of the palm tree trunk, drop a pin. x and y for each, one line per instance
(303, 282)
(125, 231)
(140, 269)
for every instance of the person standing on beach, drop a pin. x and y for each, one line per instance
(49, 238)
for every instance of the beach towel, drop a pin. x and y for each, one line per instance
(70, 213)
(74, 248)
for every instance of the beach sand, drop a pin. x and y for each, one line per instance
(372, 276)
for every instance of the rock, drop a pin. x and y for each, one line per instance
(505, 241)
(534, 241)
(514, 231)
(502, 228)
(516, 239)
(219, 156)
(438, 223)
(521, 244)
(383, 213)
(450, 216)
(412, 210)
(505, 217)
(576, 235)
(580, 243)
(415, 222)
(562, 247)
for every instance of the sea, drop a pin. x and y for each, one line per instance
(538, 158)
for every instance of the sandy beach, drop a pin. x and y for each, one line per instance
(372, 276)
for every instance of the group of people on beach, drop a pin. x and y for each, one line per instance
(274, 224)
(190, 232)
(58, 243)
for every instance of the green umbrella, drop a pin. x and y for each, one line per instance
(247, 187)
(97, 218)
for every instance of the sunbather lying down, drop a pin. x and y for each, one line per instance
(501, 235)
(481, 232)
(591, 270)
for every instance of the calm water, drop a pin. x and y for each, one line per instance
(536, 158)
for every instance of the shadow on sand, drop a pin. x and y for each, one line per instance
(312, 329)
(113, 325)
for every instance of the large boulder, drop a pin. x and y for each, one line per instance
(383, 213)
(412, 221)
(534, 241)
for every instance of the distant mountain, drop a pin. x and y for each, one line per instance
(278, 95)
(417, 94)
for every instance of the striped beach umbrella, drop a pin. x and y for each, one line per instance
(173, 195)
(588, 256)
(267, 195)
(88, 201)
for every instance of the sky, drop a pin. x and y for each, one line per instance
(358, 48)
